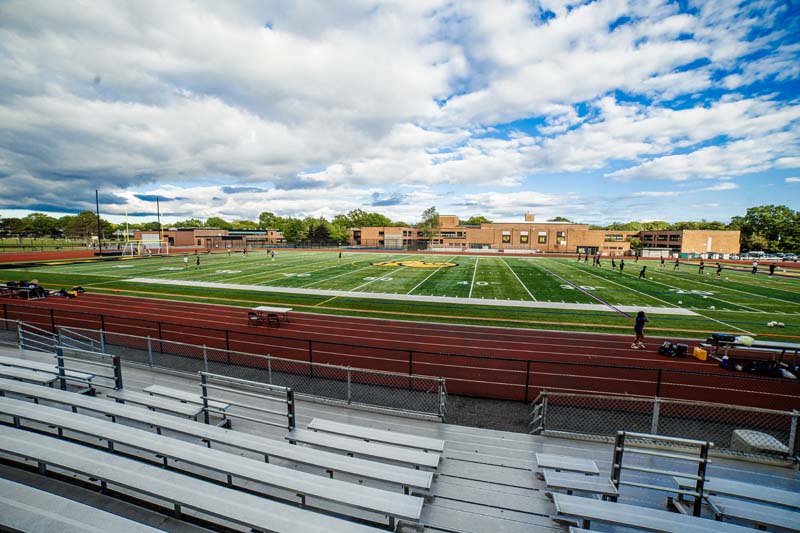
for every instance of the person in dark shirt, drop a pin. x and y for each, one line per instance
(621, 265)
(719, 269)
(662, 261)
(613, 264)
(772, 269)
(642, 272)
(701, 267)
(638, 328)
(197, 263)
(677, 265)
(579, 258)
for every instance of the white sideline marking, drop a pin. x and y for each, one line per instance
(411, 297)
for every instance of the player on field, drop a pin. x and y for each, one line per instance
(677, 265)
(185, 261)
(642, 272)
(719, 269)
(197, 263)
(621, 265)
(662, 261)
(613, 264)
(701, 267)
(755, 267)
(772, 269)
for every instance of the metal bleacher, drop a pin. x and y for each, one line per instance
(347, 471)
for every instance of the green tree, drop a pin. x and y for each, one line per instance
(769, 227)
(243, 224)
(476, 221)
(359, 219)
(216, 222)
(84, 225)
(189, 223)
(149, 226)
(559, 219)
(294, 230)
(39, 224)
(430, 222)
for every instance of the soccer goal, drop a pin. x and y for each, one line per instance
(145, 248)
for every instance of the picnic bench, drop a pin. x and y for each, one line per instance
(353, 447)
(156, 402)
(266, 314)
(41, 366)
(329, 462)
(567, 463)
(377, 435)
(754, 513)
(745, 491)
(571, 481)
(180, 491)
(779, 349)
(395, 506)
(24, 508)
(622, 514)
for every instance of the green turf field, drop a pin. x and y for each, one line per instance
(495, 290)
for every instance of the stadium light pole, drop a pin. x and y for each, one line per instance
(99, 235)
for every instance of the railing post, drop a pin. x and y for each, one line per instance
(102, 341)
(349, 390)
(52, 320)
(527, 378)
(269, 369)
(60, 337)
(544, 410)
(793, 451)
(204, 388)
(442, 401)
(205, 358)
(62, 374)
(290, 408)
(115, 360)
(410, 362)
(150, 351)
(654, 421)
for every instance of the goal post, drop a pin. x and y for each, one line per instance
(145, 248)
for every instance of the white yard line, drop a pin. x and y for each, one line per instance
(710, 297)
(519, 280)
(354, 289)
(409, 297)
(700, 281)
(623, 286)
(475, 271)
(431, 274)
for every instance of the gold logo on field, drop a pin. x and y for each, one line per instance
(413, 264)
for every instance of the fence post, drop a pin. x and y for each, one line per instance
(410, 362)
(349, 390)
(20, 342)
(62, 374)
(150, 351)
(442, 401)
(205, 357)
(544, 410)
(290, 411)
(269, 369)
(103, 341)
(654, 421)
(115, 360)
(52, 319)
(658, 384)
(310, 359)
(793, 440)
(204, 388)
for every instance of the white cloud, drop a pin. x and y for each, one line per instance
(793, 180)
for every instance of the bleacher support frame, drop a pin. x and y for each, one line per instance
(253, 389)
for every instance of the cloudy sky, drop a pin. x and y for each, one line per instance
(597, 111)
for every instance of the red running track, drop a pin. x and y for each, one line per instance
(480, 361)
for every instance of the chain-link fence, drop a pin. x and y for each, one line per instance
(8, 333)
(352, 386)
(732, 429)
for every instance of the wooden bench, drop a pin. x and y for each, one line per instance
(327, 461)
(745, 491)
(24, 508)
(571, 481)
(24, 374)
(754, 513)
(185, 397)
(567, 463)
(377, 435)
(353, 447)
(622, 514)
(156, 402)
(40, 366)
(393, 505)
(179, 490)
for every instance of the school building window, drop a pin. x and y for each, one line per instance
(523, 237)
(542, 238)
(661, 238)
(674, 238)
(561, 237)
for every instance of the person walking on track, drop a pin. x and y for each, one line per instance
(638, 328)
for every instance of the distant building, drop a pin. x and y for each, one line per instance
(690, 242)
(215, 237)
(531, 236)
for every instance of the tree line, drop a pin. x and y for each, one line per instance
(772, 228)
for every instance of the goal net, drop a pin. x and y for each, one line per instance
(145, 248)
